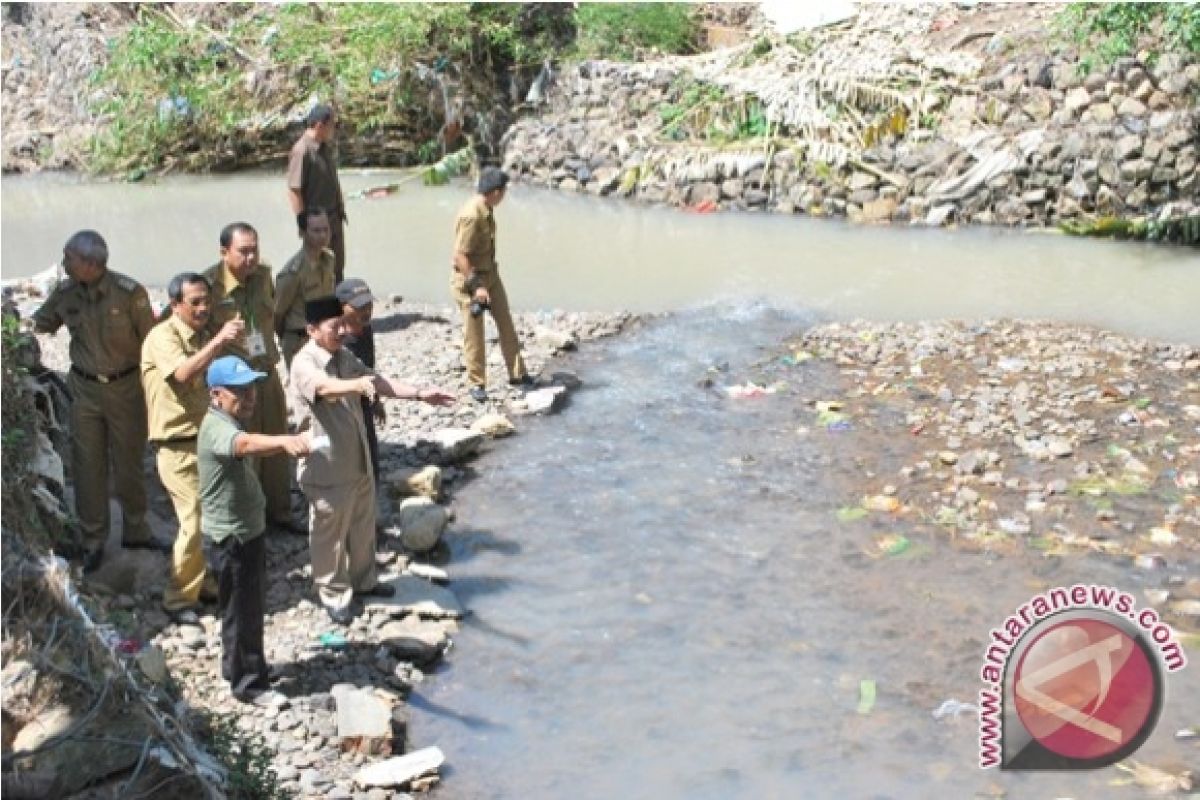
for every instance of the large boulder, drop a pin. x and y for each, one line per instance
(422, 523)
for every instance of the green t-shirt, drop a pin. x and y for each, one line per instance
(231, 499)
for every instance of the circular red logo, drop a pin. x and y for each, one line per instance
(1085, 688)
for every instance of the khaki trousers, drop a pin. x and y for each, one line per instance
(342, 539)
(180, 474)
(108, 419)
(274, 472)
(473, 345)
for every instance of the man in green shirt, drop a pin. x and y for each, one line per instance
(233, 517)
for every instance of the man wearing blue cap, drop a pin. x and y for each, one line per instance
(233, 517)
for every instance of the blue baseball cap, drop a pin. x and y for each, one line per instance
(232, 371)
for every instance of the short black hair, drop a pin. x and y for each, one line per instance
(175, 287)
(235, 227)
(321, 112)
(90, 246)
(302, 217)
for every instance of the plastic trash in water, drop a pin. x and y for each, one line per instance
(742, 391)
(332, 640)
(953, 708)
(866, 696)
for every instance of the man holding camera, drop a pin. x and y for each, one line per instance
(476, 285)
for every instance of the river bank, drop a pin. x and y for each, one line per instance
(921, 114)
(319, 738)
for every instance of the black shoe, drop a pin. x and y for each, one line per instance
(380, 590)
(148, 544)
(479, 394)
(526, 382)
(340, 616)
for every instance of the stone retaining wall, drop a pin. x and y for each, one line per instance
(1028, 144)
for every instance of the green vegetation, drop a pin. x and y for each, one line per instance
(173, 87)
(246, 756)
(1108, 31)
(1184, 230)
(623, 30)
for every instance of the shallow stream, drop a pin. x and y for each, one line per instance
(662, 604)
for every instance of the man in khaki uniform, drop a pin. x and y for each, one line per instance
(108, 316)
(174, 357)
(327, 382)
(306, 276)
(312, 179)
(242, 288)
(476, 285)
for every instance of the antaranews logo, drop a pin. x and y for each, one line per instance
(1073, 680)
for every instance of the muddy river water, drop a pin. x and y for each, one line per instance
(661, 603)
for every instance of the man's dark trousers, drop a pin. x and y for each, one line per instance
(241, 570)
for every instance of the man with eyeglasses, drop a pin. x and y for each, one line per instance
(108, 315)
(312, 178)
(242, 288)
(175, 355)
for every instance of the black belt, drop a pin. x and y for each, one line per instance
(116, 376)
(177, 440)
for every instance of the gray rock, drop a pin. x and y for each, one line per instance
(417, 596)
(704, 192)
(413, 639)
(544, 401)
(732, 188)
(556, 340)
(1131, 107)
(456, 444)
(938, 215)
(422, 523)
(401, 770)
(1078, 99)
(361, 714)
(496, 426)
(1103, 113)
(1128, 147)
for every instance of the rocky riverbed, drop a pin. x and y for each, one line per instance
(335, 720)
(1016, 438)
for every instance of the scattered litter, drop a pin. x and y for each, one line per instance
(851, 513)
(893, 544)
(881, 502)
(1163, 536)
(332, 640)
(128, 646)
(840, 425)
(866, 696)
(749, 389)
(953, 708)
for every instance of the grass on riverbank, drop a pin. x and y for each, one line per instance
(1108, 31)
(191, 89)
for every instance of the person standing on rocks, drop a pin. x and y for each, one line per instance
(232, 510)
(358, 306)
(242, 289)
(306, 276)
(108, 315)
(476, 285)
(175, 355)
(312, 179)
(327, 382)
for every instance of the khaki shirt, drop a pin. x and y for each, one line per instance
(175, 409)
(299, 281)
(312, 170)
(107, 321)
(341, 419)
(232, 502)
(255, 301)
(475, 234)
